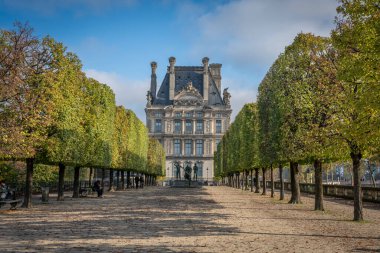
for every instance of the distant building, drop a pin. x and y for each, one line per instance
(188, 115)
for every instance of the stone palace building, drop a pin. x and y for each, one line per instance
(188, 115)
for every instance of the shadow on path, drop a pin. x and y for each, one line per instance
(119, 217)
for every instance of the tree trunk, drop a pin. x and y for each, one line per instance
(318, 185)
(358, 204)
(90, 177)
(257, 181)
(264, 181)
(246, 179)
(118, 180)
(294, 177)
(61, 182)
(272, 182)
(241, 180)
(251, 180)
(241, 177)
(76, 182)
(122, 180)
(128, 179)
(28, 183)
(103, 177)
(111, 188)
(282, 192)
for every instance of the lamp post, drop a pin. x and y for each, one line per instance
(167, 174)
(207, 174)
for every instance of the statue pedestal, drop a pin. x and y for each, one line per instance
(185, 184)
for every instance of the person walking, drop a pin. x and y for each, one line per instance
(98, 188)
(137, 179)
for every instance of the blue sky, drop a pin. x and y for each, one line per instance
(116, 40)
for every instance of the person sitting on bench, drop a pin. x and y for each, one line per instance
(98, 188)
(4, 191)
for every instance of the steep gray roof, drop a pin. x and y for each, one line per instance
(183, 75)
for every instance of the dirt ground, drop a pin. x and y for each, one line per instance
(208, 219)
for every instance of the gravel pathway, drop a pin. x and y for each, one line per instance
(208, 219)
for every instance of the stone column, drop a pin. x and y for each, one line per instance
(194, 143)
(182, 146)
(153, 80)
(205, 61)
(171, 78)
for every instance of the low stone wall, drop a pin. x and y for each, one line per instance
(371, 194)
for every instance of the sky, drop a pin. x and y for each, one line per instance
(117, 39)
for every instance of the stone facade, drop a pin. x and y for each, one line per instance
(188, 115)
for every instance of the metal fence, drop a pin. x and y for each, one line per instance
(371, 194)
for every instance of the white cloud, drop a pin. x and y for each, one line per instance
(129, 93)
(253, 33)
(247, 36)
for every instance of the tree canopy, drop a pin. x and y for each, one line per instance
(52, 113)
(317, 103)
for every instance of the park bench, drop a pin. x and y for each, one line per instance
(8, 196)
(85, 191)
(13, 203)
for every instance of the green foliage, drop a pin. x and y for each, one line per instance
(238, 150)
(297, 103)
(137, 143)
(66, 133)
(120, 155)
(13, 175)
(131, 144)
(25, 63)
(51, 111)
(156, 158)
(357, 39)
(100, 124)
(9, 173)
(44, 175)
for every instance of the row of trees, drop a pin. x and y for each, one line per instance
(319, 102)
(51, 113)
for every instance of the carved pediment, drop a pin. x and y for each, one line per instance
(189, 95)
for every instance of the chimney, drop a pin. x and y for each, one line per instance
(153, 79)
(215, 69)
(205, 78)
(171, 78)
